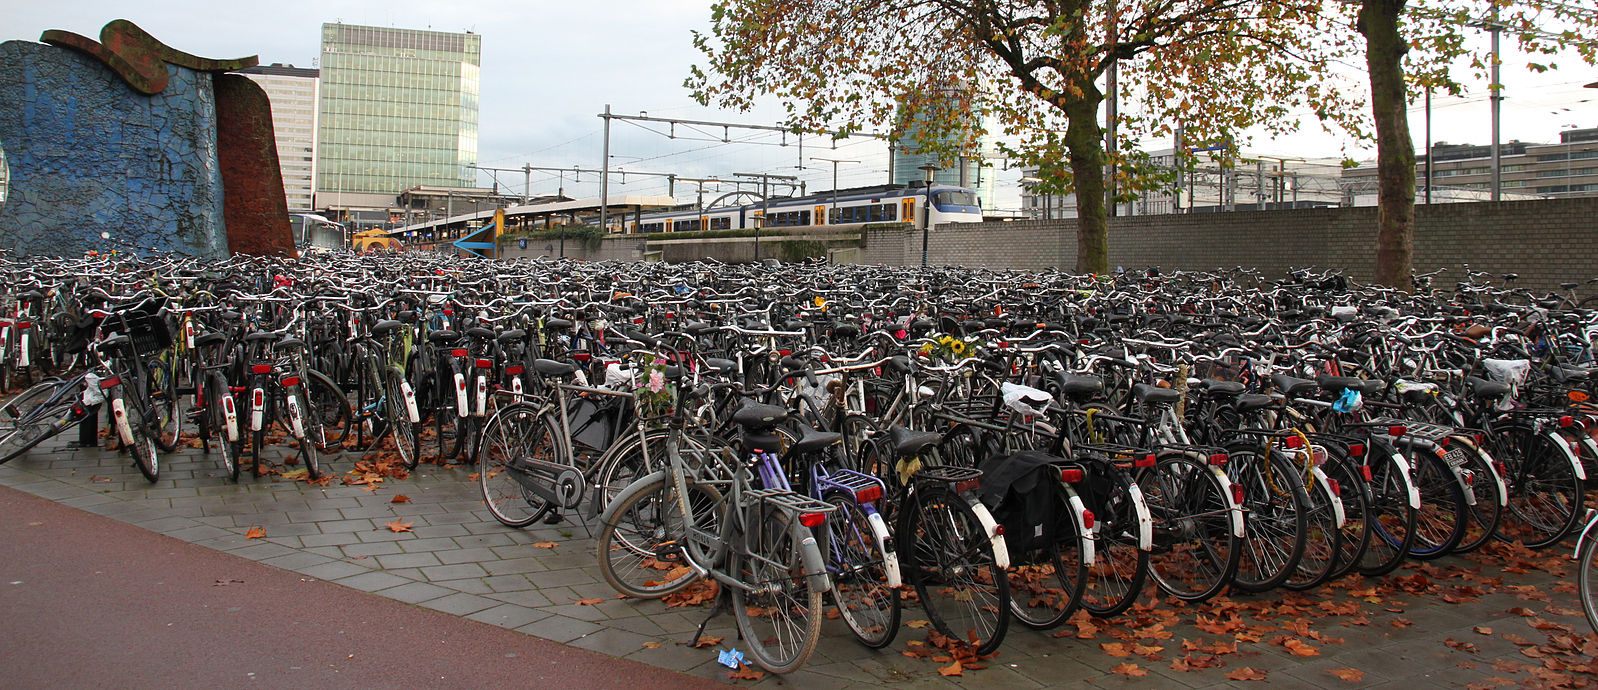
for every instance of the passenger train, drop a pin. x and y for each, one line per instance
(880, 204)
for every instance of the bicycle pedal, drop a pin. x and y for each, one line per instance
(554, 518)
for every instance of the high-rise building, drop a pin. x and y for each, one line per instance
(292, 91)
(398, 110)
(971, 171)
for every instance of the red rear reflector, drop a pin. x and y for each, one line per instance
(1365, 471)
(259, 398)
(582, 356)
(458, 352)
(24, 325)
(868, 494)
(290, 381)
(1356, 450)
(1219, 459)
(1470, 479)
(785, 352)
(1145, 461)
(1071, 475)
(812, 520)
(1088, 519)
(1444, 442)
(1566, 421)
(449, 312)
(485, 364)
(1294, 441)
(1397, 430)
(110, 382)
(968, 485)
(515, 369)
(1497, 465)
(998, 530)
(1337, 489)
(260, 368)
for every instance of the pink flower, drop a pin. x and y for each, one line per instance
(657, 381)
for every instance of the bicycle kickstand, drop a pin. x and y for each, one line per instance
(723, 603)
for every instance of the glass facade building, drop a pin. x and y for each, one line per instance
(398, 109)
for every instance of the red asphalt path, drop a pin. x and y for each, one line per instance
(86, 601)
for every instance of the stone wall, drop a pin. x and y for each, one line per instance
(1545, 241)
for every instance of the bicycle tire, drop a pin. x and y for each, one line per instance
(1356, 510)
(143, 449)
(1322, 537)
(1062, 563)
(515, 432)
(1120, 565)
(927, 553)
(1488, 489)
(162, 390)
(332, 408)
(643, 526)
(1186, 499)
(771, 561)
(1440, 523)
(309, 453)
(1390, 514)
(215, 390)
(20, 438)
(1545, 496)
(1587, 580)
(1275, 524)
(860, 591)
(402, 429)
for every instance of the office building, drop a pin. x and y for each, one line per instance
(1528, 170)
(973, 170)
(398, 111)
(293, 91)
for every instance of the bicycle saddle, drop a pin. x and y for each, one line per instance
(1482, 388)
(757, 416)
(443, 337)
(1079, 387)
(1292, 386)
(811, 440)
(1220, 388)
(1336, 384)
(385, 327)
(262, 336)
(552, 368)
(1253, 401)
(209, 339)
(1154, 395)
(511, 335)
(908, 443)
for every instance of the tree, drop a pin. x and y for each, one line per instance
(1433, 36)
(1032, 66)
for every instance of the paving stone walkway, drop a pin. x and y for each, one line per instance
(457, 559)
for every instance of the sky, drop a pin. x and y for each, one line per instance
(550, 67)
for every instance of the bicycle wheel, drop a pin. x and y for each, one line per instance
(867, 605)
(515, 435)
(639, 546)
(1545, 497)
(139, 424)
(300, 419)
(1046, 583)
(780, 615)
(1587, 579)
(1440, 522)
(949, 559)
(1120, 565)
(331, 409)
(1486, 486)
(216, 392)
(163, 392)
(1275, 525)
(1322, 534)
(1195, 550)
(1392, 511)
(23, 422)
(402, 428)
(1355, 495)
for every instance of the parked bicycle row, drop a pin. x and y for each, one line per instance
(986, 446)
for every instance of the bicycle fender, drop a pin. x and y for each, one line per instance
(1337, 501)
(1564, 447)
(1145, 522)
(230, 415)
(410, 402)
(1492, 467)
(1234, 512)
(1592, 521)
(1084, 533)
(119, 412)
(1001, 553)
(460, 395)
(1403, 470)
(810, 554)
(890, 560)
(638, 485)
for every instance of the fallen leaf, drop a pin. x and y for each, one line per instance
(706, 642)
(545, 545)
(401, 498)
(590, 602)
(1130, 670)
(952, 669)
(1461, 646)
(1298, 648)
(255, 533)
(917, 624)
(652, 645)
(399, 526)
(746, 672)
(1115, 649)
(1482, 630)
(1246, 673)
(1348, 675)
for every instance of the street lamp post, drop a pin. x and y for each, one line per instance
(926, 225)
(834, 161)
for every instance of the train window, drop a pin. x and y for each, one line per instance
(723, 223)
(685, 225)
(955, 198)
(653, 227)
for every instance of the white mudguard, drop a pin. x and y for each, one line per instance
(1403, 470)
(410, 402)
(296, 422)
(1337, 501)
(460, 395)
(890, 561)
(1233, 510)
(1564, 447)
(230, 418)
(516, 386)
(1001, 553)
(257, 409)
(480, 405)
(119, 412)
(24, 355)
(1085, 533)
(1145, 523)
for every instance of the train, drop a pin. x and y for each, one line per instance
(879, 204)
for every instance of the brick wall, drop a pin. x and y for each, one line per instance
(1545, 241)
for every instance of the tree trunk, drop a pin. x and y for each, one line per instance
(1395, 151)
(1084, 141)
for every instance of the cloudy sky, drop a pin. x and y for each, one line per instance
(550, 67)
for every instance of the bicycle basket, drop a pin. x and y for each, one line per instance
(148, 332)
